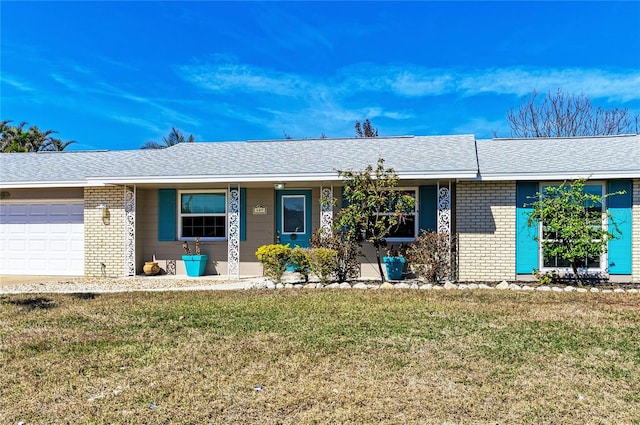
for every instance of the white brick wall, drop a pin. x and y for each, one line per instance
(104, 240)
(485, 223)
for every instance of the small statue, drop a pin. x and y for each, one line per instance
(185, 246)
(197, 245)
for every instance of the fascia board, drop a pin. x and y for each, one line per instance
(560, 176)
(266, 178)
(43, 185)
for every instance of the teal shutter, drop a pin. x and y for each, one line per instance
(243, 214)
(526, 243)
(167, 214)
(619, 206)
(428, 208)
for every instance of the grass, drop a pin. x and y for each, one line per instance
(320, 356)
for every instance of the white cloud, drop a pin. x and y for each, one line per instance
(13, 82)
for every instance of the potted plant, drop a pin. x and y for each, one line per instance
(194, 263)
(394, 263)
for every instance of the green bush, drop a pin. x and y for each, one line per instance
(300, 259)
(324, 263)
(275, 259)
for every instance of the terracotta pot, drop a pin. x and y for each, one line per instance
(151, 268)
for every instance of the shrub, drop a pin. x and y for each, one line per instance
(324, 263)
(300, 259)
(347, 264)
(275, 259)
(546, 278)
(429, 256)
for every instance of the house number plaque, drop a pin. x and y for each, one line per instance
(259, 210)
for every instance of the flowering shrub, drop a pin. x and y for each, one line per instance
(275, 259)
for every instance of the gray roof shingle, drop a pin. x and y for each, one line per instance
(604, 157)
(434, 155)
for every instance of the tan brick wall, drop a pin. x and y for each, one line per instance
(486, 221)
(104, 240)
(635, 230)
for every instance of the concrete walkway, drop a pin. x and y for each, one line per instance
(78, 284)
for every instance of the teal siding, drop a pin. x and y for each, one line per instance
(243, 214)
(526, 243)
(166, 214)
(619, 206)
(428, 208)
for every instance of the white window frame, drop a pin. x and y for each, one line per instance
(304, 213)
(605, 225)
(180, 214)
(415, 214)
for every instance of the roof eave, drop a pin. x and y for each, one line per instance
(591, 175)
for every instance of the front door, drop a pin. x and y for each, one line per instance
(293, 217)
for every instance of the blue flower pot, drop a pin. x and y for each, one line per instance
(394, 266)
(195, 264)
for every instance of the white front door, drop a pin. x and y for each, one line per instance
(42, 238)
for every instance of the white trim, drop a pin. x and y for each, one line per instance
(269, 178)
(604, 258)
(304, 213)
(179, 214)
(40, 200)
(416, 215)
(608, 175)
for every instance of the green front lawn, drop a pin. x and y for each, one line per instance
(321, 356)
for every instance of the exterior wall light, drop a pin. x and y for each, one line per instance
(279, 186)
(105, 212)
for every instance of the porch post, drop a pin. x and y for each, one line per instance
(233, 241)
(326, 209)
(444, 220)
(444, 209)
(130, 231)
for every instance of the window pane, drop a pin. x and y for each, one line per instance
(204, 226)
(405, 229)
(293, 214)
(203, 203)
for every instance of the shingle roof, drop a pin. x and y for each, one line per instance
(318, 159)
(589, 157)
(435, 156)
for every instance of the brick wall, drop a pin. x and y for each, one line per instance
(635, 229)
(104, 240)
(486, 220)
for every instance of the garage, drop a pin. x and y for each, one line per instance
(42, 238)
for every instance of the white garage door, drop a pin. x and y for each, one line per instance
(42, 238)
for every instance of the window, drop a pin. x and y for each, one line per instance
(407, 229)
(203, 214)
(554, 262)
(293, 217)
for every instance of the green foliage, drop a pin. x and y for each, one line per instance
(429, 256)
(174, 137)
(546, 278)
(572, 223)
(374, 208)
(300, 259)
(324, 263)
(275, 259)
(18, 139)
(347, 265)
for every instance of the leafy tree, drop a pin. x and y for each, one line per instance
(365, 129)
(374, 208)
(174, 137)
(19, 139)
(572, 224)
(568, 115)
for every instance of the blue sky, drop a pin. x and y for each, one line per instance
(113, 75)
